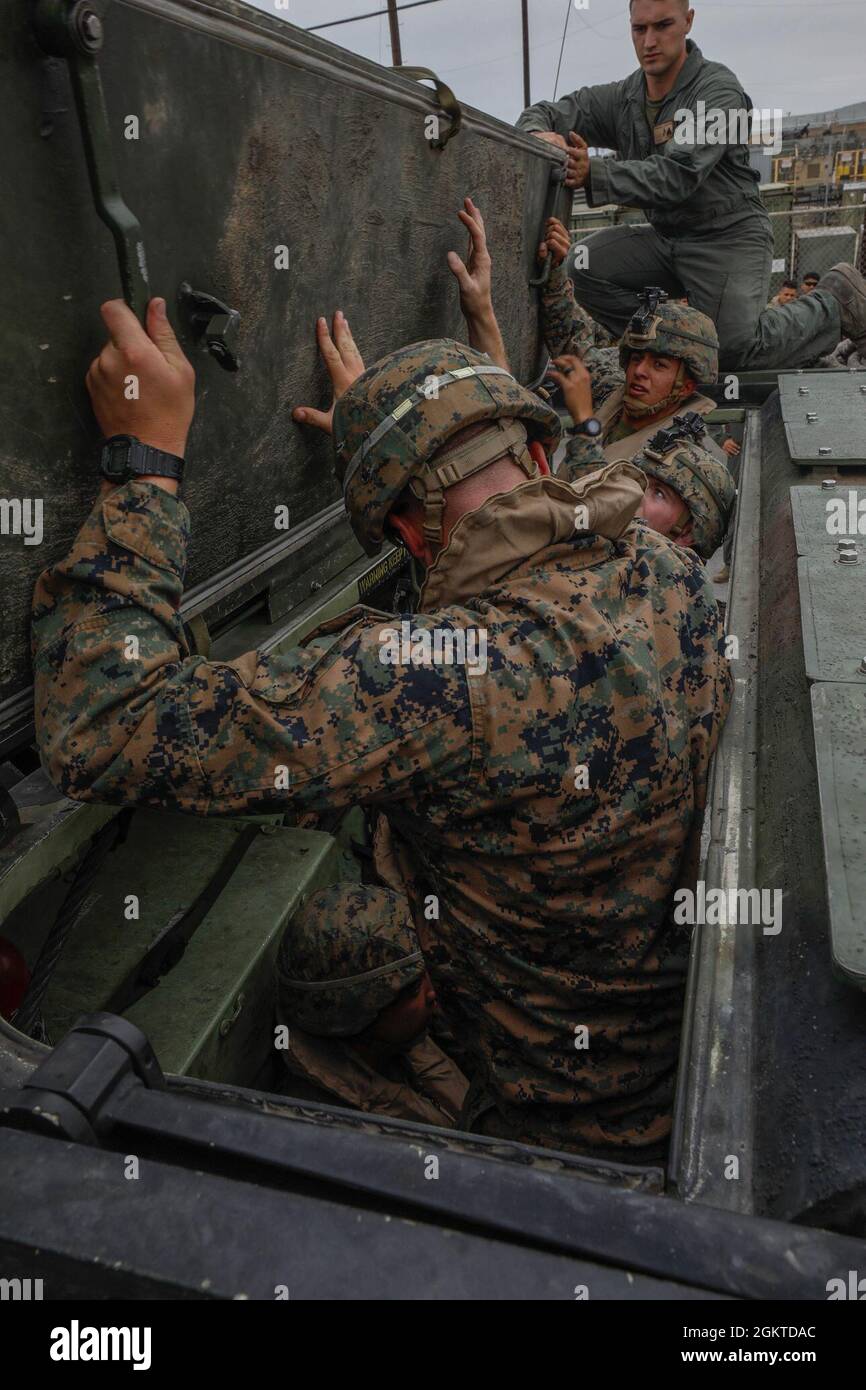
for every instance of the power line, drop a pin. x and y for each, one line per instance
(372, 14)
(562, 46)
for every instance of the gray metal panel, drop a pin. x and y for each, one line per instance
(832, 608)
(819, 248)
(809, 508)
(839, 401)
(253, 135)
(839, 721)
(714, 1114)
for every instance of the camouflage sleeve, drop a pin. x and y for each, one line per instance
(565, 326)
(582, 455)
(568, 328)
(126, 713)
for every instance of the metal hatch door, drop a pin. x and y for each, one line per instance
(824, 415)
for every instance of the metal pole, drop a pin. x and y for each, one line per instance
(527, 95)
(829, 134)
(394, 22)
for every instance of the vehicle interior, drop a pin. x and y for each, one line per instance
(88, 892)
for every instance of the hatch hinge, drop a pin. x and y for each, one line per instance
(72, 1094)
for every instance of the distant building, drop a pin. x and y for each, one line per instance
(820, 149)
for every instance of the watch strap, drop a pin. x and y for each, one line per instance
(591, 427)
(124, 457)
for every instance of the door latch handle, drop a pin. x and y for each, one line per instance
(75, 30)
(213, 322)
(554, 196)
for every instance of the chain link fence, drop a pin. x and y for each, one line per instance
(814, 239)
(805, 237)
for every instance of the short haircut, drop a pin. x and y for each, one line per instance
(685, 5)
(789, 285)
(811, 275)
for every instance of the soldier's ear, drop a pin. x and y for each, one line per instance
(690, 386)
(537, 452)
(411, 534)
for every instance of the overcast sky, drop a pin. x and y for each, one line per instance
(797, 55)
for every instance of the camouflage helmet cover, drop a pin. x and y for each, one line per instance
(703, 482)
(402, 410)
(344, 957)
(677, 330)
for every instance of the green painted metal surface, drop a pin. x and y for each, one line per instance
(837, 401)
(211, 1016)
(820, 513)
(839, 721)
(833, 613)
(832, 582)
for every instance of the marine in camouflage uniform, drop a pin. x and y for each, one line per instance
(677, 331)
(544, 802)
(698, 470)
(678, 458)
(350, 953)
(569, 328)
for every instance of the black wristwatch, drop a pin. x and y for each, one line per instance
(124, 457)
(591, 427)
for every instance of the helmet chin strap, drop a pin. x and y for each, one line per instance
(682, 524)
(639, 410)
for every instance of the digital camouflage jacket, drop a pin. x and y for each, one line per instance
(543, 796)
(684, 188)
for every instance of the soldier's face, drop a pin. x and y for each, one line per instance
(663, 510)
(787, 295)
(409, 1017)
(809, 286)
(658, 31)
(650, 378)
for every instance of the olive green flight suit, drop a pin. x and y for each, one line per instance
(709, 234)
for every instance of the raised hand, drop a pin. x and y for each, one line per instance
(141, 383)
(344, 363)
(557, 241)
(577, 164)
(475, 275)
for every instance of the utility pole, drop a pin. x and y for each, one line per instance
(394, 22)
(829, 133)
(527, 95)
